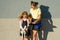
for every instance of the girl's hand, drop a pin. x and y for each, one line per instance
(25, 30)
(33, 22)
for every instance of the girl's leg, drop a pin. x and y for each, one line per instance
(26, 38)
(21, 38)
(35, 34)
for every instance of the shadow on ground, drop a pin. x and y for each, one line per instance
(46, 22)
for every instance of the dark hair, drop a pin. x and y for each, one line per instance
(30, 15)
(34, 3)
(24, 12)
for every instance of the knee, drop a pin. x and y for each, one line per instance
(34, 34)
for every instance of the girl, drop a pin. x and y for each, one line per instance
(36, 15)
(24, 23)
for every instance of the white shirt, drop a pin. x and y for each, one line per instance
(35, 12)
(20, 23)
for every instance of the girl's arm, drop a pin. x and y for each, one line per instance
(38, 18)
(28, 22)
(20, 23)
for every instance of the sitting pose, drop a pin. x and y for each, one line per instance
(24, 24)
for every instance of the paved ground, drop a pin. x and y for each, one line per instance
(9, 30)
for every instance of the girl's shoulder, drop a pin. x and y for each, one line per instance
(27, 19)
(31, 9)
(38, 9)
(20, 20)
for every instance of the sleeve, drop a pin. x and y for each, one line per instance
(30, 11)
(20, 23)
(28, 22)
(39, 11)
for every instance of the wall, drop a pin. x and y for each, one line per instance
(10, 9)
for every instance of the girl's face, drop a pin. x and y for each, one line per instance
(24, 16)
(32, 6)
